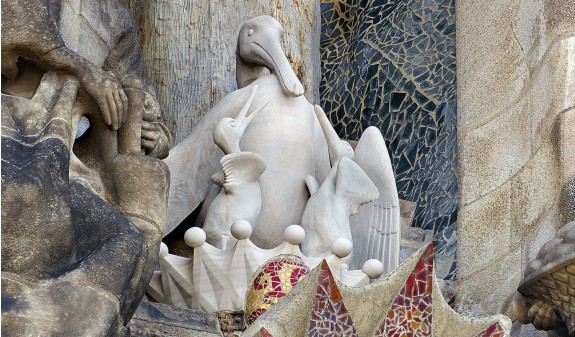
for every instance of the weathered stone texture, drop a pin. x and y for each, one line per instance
(190, 50)
(81, 217)
(162, 320)
(516, 98)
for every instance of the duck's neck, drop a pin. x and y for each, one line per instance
(246, 74)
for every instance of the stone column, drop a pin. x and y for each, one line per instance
(515, 98)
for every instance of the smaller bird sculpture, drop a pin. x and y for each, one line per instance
(326, 215)
(240, 197)
(376, 226)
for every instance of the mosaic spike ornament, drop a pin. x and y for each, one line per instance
(411, 313)
(329, 316)
(495, 330)
(272, 281)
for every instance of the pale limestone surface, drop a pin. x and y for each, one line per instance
(240, 197)
(214, 279)
(375, 228)
(516, 97)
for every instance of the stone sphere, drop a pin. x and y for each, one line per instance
(341, 247)
(195, 237)
(373, 268)
(294, 234)
(163, 250)
(241, 229)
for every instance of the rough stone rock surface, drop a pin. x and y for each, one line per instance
(81, 218)
(162, 320)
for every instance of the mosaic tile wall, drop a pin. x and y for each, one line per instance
(391, 64)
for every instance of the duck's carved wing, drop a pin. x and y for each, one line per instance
(241, 168)
(353, 184)
(376, 227)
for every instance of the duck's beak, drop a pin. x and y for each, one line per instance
(259, 46)
(336, 146)
(275, 59)
(242, 120)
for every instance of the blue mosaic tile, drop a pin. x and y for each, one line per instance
(391, 64)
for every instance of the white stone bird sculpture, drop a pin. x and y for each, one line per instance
(240, 196)
(326, 216)
(286, 133)
(376, 227)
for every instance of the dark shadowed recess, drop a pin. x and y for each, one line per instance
(391, 64)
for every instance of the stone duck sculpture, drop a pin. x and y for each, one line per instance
(376, 226)
(326, 216)
(240, 196)
(286, 133)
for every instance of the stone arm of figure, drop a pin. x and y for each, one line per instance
(30, 31)
(125, 61)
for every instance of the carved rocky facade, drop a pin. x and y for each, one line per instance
(82, 211)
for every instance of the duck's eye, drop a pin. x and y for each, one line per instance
(250, 32)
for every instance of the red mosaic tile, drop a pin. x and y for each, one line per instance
(410, 313)
(495, 330)
(265, 333)
(273, 281)
(329, 317)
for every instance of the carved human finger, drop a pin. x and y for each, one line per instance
(113, 110)
(148, 117)
(119, 106)
(546, 318)
(150, 135)
(155, 127)
(124, 99)
(103, 104)
(148, 145)
(533, 311)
